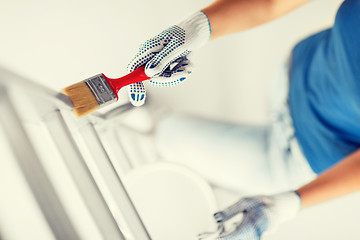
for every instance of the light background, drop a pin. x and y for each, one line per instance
(57, 43)
(61, 42)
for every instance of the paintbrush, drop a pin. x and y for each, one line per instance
(99, 91)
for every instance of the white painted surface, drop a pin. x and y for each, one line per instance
(15, 213)
(173, 201)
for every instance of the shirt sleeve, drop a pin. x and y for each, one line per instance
(346, 29)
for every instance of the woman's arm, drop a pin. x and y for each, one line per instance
(231, 16)
(342, 179)
(265, 213)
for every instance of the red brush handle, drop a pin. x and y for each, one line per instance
(137, 75)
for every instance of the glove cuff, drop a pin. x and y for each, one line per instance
(287, 205)
(197, 27)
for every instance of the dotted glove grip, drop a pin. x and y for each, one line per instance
(259, 215)
(166, 55)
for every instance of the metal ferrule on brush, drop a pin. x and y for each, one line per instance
(101, 90)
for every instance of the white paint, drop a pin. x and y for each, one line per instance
(173, 202)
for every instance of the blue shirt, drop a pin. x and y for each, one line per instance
(324, 95)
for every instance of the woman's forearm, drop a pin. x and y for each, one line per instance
(342, 179)
(231, 16)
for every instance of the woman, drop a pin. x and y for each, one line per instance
(310, 151)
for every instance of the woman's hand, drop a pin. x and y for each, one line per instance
(260, 214)
(167, 55)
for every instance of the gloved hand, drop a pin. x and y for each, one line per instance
(260, 214)
(166, 55)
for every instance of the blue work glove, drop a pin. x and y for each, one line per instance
(167, 55)
(259, 215)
